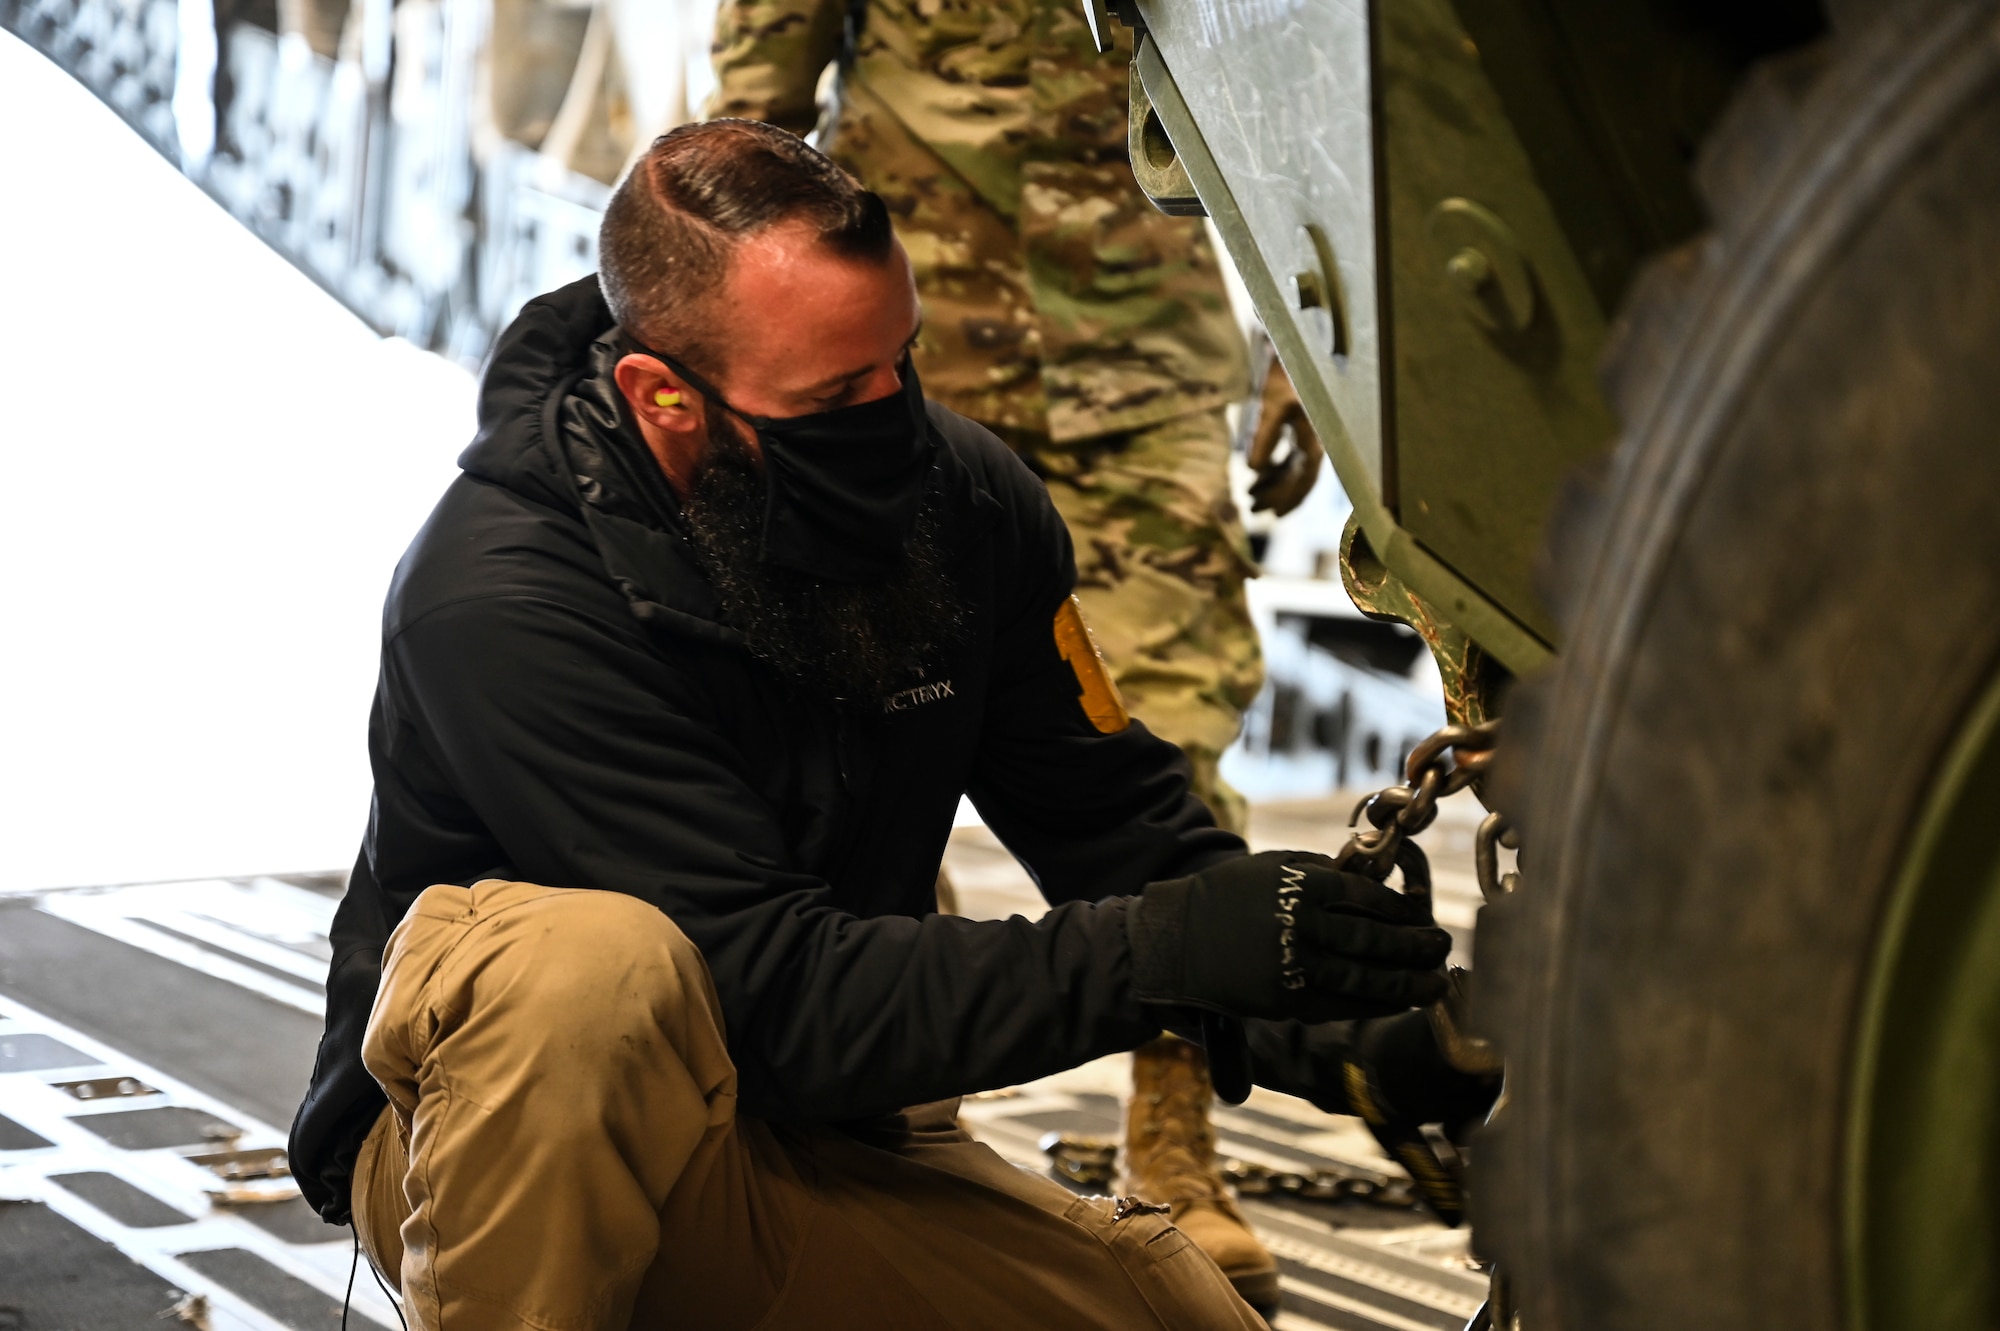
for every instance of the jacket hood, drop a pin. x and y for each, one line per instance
(545, 347)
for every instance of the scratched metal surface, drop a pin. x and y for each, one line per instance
(1281, 91)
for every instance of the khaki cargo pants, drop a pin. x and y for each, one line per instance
(562, 1150)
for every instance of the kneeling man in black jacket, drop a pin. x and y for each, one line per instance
(638, 977)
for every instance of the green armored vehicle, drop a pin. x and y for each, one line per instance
(1658, 344)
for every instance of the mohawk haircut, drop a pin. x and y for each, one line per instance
(675, 221)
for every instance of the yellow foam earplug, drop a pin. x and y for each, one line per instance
(666, 399)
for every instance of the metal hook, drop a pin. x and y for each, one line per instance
(1494, 832)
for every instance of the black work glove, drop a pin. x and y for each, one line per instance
(1285, 934)
(1390, 1074)
(1393, 1069)
(1396, 1080)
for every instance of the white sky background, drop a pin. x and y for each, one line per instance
(212, 470)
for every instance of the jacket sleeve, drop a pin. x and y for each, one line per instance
(1089, 813)
(768, 57)
(582, 750)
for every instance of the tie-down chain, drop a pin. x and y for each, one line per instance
(1445, 763)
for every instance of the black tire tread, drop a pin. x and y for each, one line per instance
(1757, 175)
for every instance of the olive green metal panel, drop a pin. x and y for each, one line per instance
(1617, 177)
(1436, 204)
(1292, 194)
(1923, 1161)
(1496, 330)
(1612, 102)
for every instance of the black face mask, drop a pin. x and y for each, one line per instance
(841, 488)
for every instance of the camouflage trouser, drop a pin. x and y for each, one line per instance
(1161, 560)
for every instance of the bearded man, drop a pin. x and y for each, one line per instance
(636, 980)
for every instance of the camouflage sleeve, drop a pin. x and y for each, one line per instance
(768, 57)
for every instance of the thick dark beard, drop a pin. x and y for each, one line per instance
(855, 643)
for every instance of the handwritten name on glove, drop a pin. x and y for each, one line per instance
(1284, 934)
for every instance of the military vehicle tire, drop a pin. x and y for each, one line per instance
(1748, 990)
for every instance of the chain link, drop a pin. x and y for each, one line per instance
(1445, 763)
(1340, 1183)
(1494, 832)
(1092, 1162)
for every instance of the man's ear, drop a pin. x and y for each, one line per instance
(657, 396)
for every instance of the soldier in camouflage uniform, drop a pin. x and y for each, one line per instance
(1091, 333)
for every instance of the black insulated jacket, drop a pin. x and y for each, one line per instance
(561, 702)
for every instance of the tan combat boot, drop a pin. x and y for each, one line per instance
(1170, 1158)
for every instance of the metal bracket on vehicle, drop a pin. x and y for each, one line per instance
(1380, 594)
(1156, 165)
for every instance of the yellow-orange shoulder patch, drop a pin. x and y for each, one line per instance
(1098, 694)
